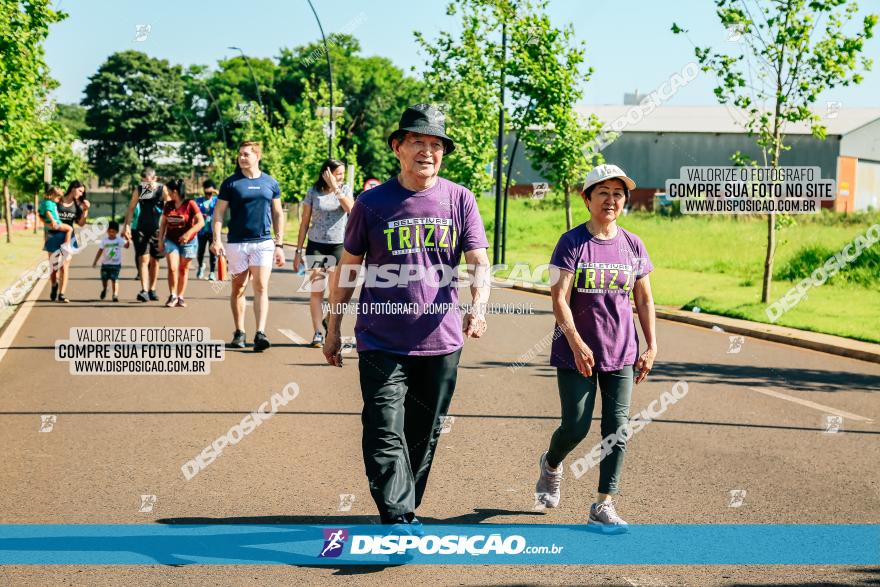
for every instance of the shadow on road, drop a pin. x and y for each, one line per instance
(462, 416)
(872, 578)
(791, 378)
(480, 515)
(233, 550)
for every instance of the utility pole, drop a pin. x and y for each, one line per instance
(496, 244)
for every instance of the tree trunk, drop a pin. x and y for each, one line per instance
(768, 259)
(567, 196)
(7, 210)
(777, 148)
(771, 218)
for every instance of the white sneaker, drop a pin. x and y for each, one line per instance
(212, 276)
(547, 487)
(201, 273)
(604, 515)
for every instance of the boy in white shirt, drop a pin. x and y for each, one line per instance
(111, 248)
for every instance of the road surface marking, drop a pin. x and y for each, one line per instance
(20, 316)
(292, 336)
(814, 405)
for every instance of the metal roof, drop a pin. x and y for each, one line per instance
(718, 119)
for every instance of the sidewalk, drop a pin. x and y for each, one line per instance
(18, 225)
(826, 343)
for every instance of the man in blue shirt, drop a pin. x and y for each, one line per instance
(254, 202)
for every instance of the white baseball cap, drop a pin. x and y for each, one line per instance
(607, 171)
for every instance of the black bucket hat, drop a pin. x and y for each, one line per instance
(424, 119)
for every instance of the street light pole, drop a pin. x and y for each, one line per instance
(507, 188)
(219, 113)
(506, 196)
(330, 76)
(253, 77)
(496, 245)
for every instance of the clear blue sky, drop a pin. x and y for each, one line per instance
(628, 41)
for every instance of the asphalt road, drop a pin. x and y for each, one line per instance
(119, 437)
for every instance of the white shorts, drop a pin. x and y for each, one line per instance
(244, 255)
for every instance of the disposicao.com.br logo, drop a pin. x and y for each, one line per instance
(429, 544)
(334, 542)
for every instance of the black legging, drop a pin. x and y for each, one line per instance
(577, 394)
(204, 243)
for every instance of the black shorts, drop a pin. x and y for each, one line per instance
(143, 240)
(318, 255)
(109, 272)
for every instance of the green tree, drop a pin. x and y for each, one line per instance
(463, 78)
(544, 74)
(50, 138)
(133, 103)
(792, 51)
(372, 90)
(218, 104)
(292, 153)
(546, 68)
(72, 117)
(24, 83)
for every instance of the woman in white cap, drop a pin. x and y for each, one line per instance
(594, 269)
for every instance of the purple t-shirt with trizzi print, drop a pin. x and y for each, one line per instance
(391, 225)
(604, 274)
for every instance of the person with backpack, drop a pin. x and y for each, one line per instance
(150, 197)
(178, 229)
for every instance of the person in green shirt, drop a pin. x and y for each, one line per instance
(56, 234)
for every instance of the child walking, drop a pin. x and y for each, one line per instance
(111, 248)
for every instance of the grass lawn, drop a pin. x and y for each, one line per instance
(715, 262)
(22, 254)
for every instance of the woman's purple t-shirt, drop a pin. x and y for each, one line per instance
(604, 274)
(393, 226)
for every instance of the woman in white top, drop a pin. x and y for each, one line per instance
(324, 217)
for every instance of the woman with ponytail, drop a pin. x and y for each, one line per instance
(178, 228)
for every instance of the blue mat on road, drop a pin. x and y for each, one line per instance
(133, 544)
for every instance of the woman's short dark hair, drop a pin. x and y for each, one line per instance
(589, 191)
(332, 165)
(208, 183)
(177, 185)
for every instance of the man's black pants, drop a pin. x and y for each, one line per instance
(405, 401)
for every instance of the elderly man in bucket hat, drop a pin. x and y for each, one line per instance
(409, 329)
